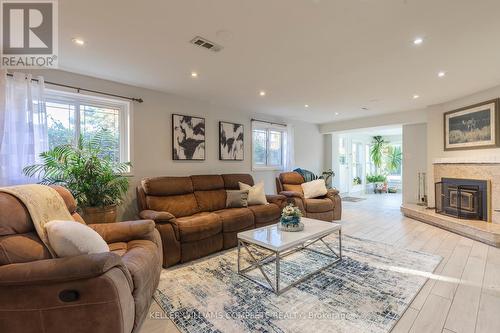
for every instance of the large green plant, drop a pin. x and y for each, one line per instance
(377, 151)
(394, 158)
(86, 169)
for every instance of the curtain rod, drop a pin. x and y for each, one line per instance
(268, 122)
(78, 89)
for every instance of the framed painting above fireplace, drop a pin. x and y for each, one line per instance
(473, 127)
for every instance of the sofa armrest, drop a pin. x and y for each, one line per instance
(292, 194)
(276, 199)
(332, 194)
(60, 269)
(124, 231)
(157, 216)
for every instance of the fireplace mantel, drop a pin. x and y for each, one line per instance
(466, 160)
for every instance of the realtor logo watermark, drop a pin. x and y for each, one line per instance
(29, 34)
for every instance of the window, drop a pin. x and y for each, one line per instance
(267, 146)
(70, 115)
(357, 163)
(369, 166)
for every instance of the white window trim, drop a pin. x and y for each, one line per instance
(269, 127)
(126, 118)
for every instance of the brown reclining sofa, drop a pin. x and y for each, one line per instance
(191, 215)
(106, 292)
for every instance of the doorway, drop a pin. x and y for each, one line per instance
(358, 174)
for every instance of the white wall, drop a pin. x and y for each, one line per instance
(435, 139)
(151, 126)
(414, 159)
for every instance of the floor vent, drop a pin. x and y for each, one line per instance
(205, 43)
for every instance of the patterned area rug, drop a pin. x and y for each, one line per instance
(368, 291)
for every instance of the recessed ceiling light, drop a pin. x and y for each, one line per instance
(416, 96)
(262, 93)
(194, 74)
(336, 113)
(442, 74)
(78, 41)
(306, 106)
(418, 41)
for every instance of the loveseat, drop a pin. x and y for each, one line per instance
(107, 292)
(326, 208)
(191, 214)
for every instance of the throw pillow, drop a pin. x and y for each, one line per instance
(237, 199)
(314, 189)
(256, 194)
(69, 238)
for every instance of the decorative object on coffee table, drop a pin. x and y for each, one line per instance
(290, 219)
(473, 127)
(231, 145)
(188, 138)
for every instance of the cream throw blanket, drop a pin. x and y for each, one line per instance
(44, 205)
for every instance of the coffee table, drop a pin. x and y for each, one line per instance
(281, 244)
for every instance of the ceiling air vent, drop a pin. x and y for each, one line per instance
(205, 43)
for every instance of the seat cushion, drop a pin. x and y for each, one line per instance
(319, 205)
(235, 219)
(199, 226)
(265, 213)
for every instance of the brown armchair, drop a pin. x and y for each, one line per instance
(326, 208)
(105, 292)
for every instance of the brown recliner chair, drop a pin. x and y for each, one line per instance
(327, 208)
(106, 292)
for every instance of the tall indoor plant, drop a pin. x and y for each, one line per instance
(394, 158)
(89, 172)
(377, 151)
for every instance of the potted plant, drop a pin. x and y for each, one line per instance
(374, 182)
(88, 171)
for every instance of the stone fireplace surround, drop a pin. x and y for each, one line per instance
(463, 168)
(480, 170)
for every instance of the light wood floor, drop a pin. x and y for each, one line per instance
(463, 295)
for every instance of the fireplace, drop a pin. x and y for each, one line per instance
(463, 198)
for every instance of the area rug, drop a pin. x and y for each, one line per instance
(368, 291)
(352, 199)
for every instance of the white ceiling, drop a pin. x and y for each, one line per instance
(335, 55)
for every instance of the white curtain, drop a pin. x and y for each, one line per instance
(289, 162)
(23, 126)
